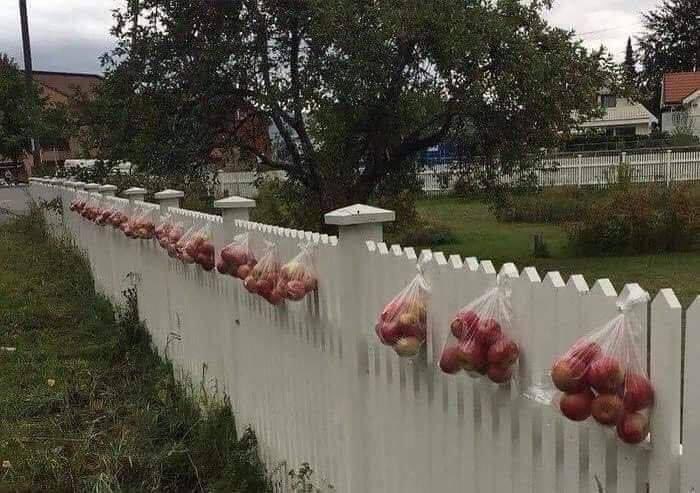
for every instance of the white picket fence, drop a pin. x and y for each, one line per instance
(316, 386)
(583, 170)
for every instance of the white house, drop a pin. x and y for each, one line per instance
(680, 102)
(621, 117)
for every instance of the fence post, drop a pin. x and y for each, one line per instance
(168, 198)
(579, 161)
(108, 190)
(91, 187)
(135, 193)
(668, 167)
(234, 208)
(356, 224)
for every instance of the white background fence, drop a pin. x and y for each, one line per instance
(583, 170)
(316, 385)
(587, 170)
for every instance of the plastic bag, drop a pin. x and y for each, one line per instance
(170, 240)
(143, 226)
(264, 278)
(165, 224)
(103, 218)
(128, 227)
(118, 216)
(238, 257)
(403, 323)
(200, 248)
(77, 205)
(480, 338)
(90, 210)
(602, 375)
(299, 275)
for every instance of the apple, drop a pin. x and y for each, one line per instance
(503, 352)
(585, 350)
(639, 393)
(292, 270)
(633, 428)
(407, 347)
(500, 373)
(469, 318)
(295, 290)
(250, 284)
(451, 360)
(605, 375)
(568, 375)
(474, 356)
(389, 333)
(488, 331)
(456, 327)
(577, 407)
(275, 298)
(390, 310)
(607, 409)
(264, 287)
(417, 308)
(242, 271)
(222, 267)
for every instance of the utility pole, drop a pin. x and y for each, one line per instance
(29, 81)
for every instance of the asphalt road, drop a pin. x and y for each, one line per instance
(13, 200)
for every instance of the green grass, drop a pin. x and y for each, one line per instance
(479, 234)
(84, 402)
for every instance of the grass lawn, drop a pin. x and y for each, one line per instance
(85, 405)
(479, 234)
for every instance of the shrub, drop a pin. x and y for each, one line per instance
(552, 206)
(639, 220)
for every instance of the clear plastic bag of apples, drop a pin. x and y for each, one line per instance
(403, 323)
(143, 226)
(602, 375)
(480, 341)
(238, 258)
(118, 216)
(299, 275)
(264, 279)
(199, 247)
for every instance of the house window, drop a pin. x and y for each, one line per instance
(608, 100)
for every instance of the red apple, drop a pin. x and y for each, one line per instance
(264, 287)
(474, 356)
(639, 393)
(576, 407)
(389, 333)
(243, 271)
(568, 375)
(407, 347)
(222, 267)
(295, 290)
(456, 327)
(488, 331)
(607, 409)
(275, 298)
(605, 375)
(633, 428)
(500, 373)
(451, 360)
(250, 284)
(469, 318)
(503, 352)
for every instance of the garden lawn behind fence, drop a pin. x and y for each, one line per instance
(477, 233)
(84, 402)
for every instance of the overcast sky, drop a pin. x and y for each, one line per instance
(70, 35)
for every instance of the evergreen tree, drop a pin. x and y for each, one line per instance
(671, 44)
